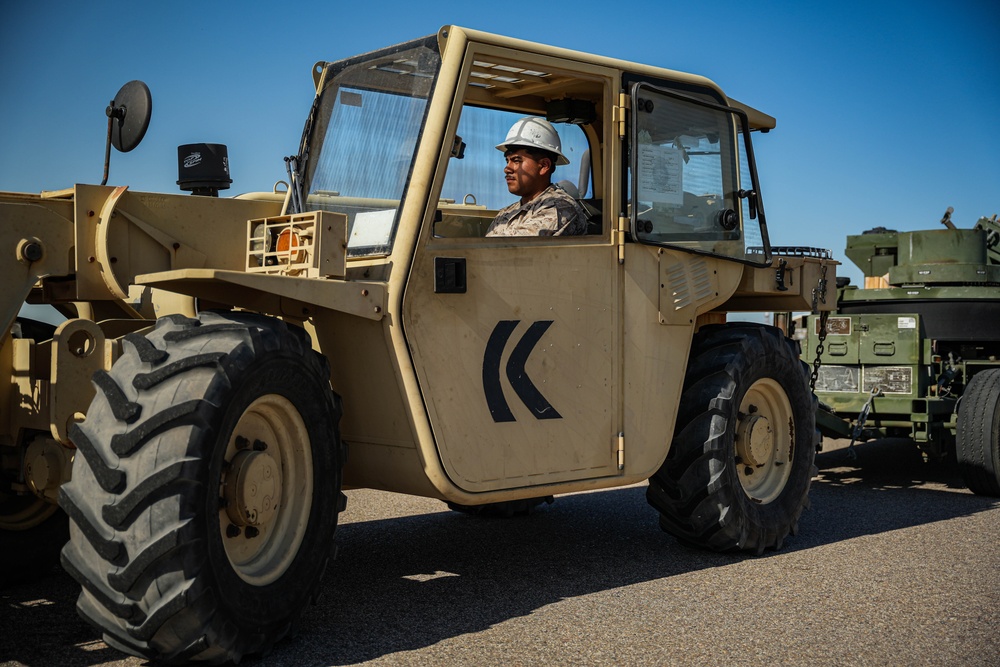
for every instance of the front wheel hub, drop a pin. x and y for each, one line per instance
(754, 441)
(253, 488)
(764, 441)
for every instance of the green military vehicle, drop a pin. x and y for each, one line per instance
(229, 366)
(915, 353)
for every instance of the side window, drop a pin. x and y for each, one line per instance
(501, 90)
(474, 188)
(480, 170)
(753, 237)
(687, 165)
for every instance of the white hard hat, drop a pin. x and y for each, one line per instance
(534, 133)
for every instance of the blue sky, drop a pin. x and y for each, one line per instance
(885, 110)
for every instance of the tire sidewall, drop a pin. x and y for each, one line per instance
(977, 443)
(280, 601)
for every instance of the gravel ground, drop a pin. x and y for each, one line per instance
(895, 563)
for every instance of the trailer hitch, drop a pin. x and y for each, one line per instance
(860, 426)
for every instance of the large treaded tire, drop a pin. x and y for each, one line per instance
(738, 472)
(977, 436)
(184, 419)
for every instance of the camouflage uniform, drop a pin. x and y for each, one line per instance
(551, 213)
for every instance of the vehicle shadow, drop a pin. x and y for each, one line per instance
(401, 584)
(405, 584)
(41, 627)
(891, 462)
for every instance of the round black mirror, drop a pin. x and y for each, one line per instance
(129, 114)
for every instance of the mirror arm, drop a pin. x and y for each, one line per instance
(751, 197)
(113, 113)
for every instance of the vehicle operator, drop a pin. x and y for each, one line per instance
(533, 150)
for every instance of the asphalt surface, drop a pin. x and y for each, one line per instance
(895, 563)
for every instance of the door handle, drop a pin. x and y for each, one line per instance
(449, 275)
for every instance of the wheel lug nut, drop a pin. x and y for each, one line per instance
(252, 532)
(259, 445)
(232, 530)
(241, 442)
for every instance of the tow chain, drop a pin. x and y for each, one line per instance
(860, 426)
(819, 350)
(819, 294)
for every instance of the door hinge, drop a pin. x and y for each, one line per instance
(619, 113)
(621, 451)
(620, 233)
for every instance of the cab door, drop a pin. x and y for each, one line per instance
(688, 216)
(515, 340)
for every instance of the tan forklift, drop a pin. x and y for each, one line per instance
(226, 367)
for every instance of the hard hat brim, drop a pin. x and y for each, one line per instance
(561, 160)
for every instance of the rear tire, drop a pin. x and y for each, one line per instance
(977, 445)
(738, 472)
(206, 489)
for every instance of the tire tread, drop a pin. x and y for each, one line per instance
(698, 495)
(148, 584)
(978, 433)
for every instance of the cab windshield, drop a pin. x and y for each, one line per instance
(359, 145)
